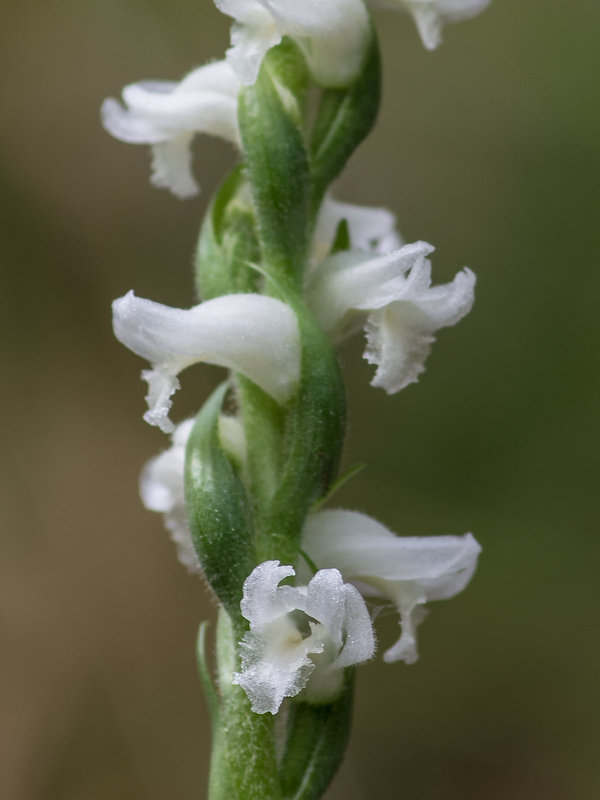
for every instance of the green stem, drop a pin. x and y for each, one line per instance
(243, 765)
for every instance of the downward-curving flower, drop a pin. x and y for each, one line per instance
(166, 115)
(248, 333)
(333, 35)
(430, 15)
(300, 637)
(405, 571)
(391, 295)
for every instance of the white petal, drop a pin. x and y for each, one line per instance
(248, 333)
(408, 571)
(127, 127)
(361, 547)
(405, 649)
(359, 645)
(400, 335)
(429, 24)
(370, 228)
(334, 37)
(166, 115)
(351, 281)
(204, 101)
(217, 76)
(346, 630)
(326, 602)
(172, 166)
(264, 600)
(430, 15)
(184, 111)
(162, 489)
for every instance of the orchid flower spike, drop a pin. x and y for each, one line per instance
(406, 571)
(300, 637)
(248, 333)
(430, 15)
(166, 115)
(391, 295)
(370, 228)
(333, 35)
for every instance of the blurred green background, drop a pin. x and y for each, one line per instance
(489, 148)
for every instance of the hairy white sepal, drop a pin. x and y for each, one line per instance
(300, 637)
(406, 571)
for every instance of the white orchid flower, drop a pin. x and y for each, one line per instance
(166, 115)
(370, 228)
(431, 15)
(300, 637)
(248, 333)
(405, 571)
(392, 296)
(333, 35)
(162, 490)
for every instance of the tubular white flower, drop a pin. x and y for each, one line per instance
(370, 228)
(166, 115)
(300, 637)
(431, 15)
(333, 35)
(162, 490)
(393, 293)
(249, 333)
(406, 571)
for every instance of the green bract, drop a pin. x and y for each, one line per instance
(219, 511)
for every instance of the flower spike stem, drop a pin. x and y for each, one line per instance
(283, 273)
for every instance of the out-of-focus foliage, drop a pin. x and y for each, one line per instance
(489, 149)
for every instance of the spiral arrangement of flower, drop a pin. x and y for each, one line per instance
(285, 272)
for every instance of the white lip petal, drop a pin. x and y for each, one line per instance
(252, 334)
(400, 334)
